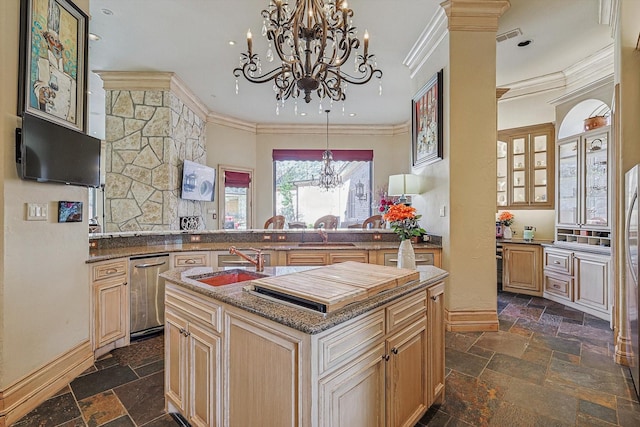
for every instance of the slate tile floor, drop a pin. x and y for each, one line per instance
(548, 366)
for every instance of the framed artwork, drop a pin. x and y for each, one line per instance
(69, 211)
(426, 120)
(53, 62)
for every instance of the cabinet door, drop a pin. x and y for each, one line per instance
(264, 365)
(343, 256)
(592, 280)
(407, 376)
(175, 356)
(501, 176)
(522, 269)
(205, 386)
(304, 257)
(435, 316)
(110, 310)
(596, 179)
(354, 396)
(568, 194)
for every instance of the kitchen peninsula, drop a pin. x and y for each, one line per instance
(377, 359)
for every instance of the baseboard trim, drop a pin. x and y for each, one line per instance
(26, 394)
(471, 320)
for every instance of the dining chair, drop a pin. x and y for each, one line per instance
(328, 222)
(374, 221)
(277, 221)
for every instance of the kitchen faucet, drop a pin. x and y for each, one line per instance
(258, 261)
(323, 233)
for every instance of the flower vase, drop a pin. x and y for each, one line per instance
(506, 232)
(406, 255)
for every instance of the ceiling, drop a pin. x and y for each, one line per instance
(191, 38)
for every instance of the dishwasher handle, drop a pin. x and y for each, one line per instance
(153, 264)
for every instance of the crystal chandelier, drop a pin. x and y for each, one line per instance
(313, 43)
(328, 178)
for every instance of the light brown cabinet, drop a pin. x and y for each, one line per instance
(522, 268)
(109, 281)
(524, 178)
(389, 361)
(578, 279)
(190, 259)
(309, 257)
(193, 380)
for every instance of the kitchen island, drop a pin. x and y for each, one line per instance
(237, 358)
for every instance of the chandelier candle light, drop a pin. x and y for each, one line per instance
(313, 42)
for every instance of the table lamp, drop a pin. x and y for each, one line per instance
(403, 184)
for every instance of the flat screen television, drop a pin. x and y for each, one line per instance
(48, 152)
(198, 182)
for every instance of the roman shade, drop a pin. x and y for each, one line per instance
(237, 179)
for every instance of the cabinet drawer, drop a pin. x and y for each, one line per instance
(109, 269)
(192, 259)
(228, 260)
(406, 309)
(306, 258)
(196, 307)
(391, 259)
(343, 256)
(559, 285)
(559, 261)
(349, 340)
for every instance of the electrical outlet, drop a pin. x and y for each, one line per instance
(93, 244)
(377, 236)
(282, 237)
(266, 237)
(37, 211)
(195, 238)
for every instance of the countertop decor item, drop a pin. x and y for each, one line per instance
(506, 219)
(404, 221)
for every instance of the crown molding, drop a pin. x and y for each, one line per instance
(592, 68)
(231, 122)
(474, 15)
(153, 80)
(500, 91)
(387, 130)
(579, 92)
(429, 40)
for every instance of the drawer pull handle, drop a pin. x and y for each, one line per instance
(556, 286)
(556, 262)
(435, 297)
(111, 271)
(190, 261)
(125, 283)
(385, 357)
(394, 350)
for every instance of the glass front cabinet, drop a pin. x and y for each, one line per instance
(583, 213)
(525, 167)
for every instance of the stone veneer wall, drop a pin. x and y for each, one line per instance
(148, 134)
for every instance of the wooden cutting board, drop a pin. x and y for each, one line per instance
(337, 285)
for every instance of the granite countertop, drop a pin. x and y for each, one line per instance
(524, 242)
(301, 319)
(96, 255)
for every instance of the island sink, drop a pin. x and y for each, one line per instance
(228, 277)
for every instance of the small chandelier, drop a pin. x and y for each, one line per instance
(313, 43)
(328, 178)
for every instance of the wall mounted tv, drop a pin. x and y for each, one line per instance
(198, 182)
(48, 152)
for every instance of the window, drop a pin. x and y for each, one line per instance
(235, 198)
(300, 200)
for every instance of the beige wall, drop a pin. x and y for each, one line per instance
(252, 148)
(44, 292)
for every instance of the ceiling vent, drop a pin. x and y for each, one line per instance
(508, 35)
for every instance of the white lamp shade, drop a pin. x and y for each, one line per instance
(404, 184)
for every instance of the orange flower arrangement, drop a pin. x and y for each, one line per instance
(404, 221)
(506, 218)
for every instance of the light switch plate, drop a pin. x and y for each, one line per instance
(443, 210)
(37, 211)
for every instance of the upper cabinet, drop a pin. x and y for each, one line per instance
(525, 173)
(583, 214)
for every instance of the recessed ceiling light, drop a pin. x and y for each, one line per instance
(524, 43)
(107, 11)
(232, 43)
(303, 114)
(88, 92)
(352, 114)
(94, 37)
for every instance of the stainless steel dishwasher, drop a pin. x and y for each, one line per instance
(147, 294)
